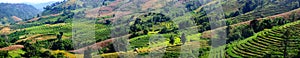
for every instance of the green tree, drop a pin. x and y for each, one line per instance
(59, 36)
(266, 23)
(107, 22)
(46, 54)
(172, 40)
(38, 15)
(246, 31)
(287, 35)
(32, 50)
(3, 54)
(3, 43)
(254, 25)
(280, 21)
(61, 44)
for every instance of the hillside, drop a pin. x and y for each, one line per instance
(22, 11)
(157, 29)
(40, 6)
(268, 43)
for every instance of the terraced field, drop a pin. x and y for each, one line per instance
(147, 18)
(265, 42)
(260, 13)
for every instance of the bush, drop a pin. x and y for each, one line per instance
(239, 32)
(171, 55)
(65, 44)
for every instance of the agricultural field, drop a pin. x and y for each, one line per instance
(275, 42)
(155, 29)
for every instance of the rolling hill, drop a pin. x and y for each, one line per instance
(155, 28)
(22, 11)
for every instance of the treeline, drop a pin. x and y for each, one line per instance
(53, 8)
(152, 23)
(202, 19)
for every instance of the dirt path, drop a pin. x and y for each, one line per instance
(12, 47)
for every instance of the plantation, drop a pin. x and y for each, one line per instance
(268, 43)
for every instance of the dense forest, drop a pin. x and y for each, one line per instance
(155, 29)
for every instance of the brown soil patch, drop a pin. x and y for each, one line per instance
(12, 47)
(37, 37)
(17, 19)
(37, 18)
(103, 11)
(150, 4)
(5, 31)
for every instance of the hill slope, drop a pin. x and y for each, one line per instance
(22, 11)
(148, 26)
(268, 43)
